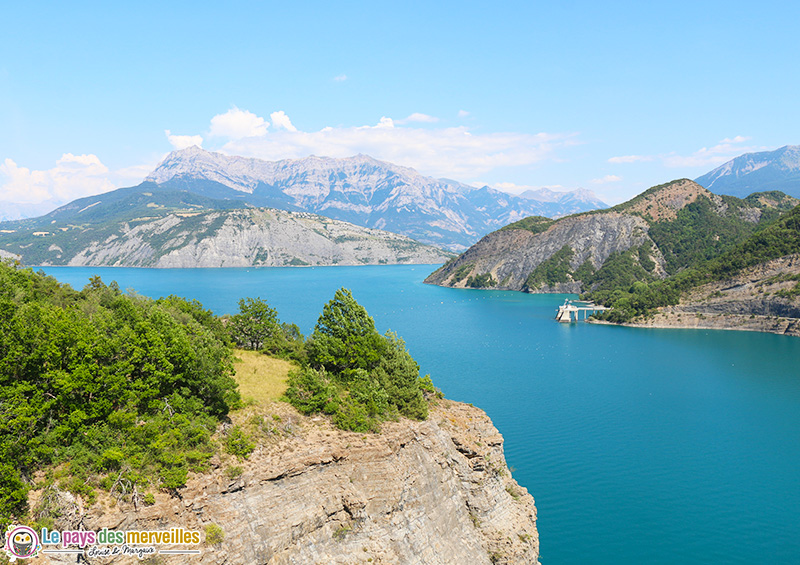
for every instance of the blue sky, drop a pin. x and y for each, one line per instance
(614, 98)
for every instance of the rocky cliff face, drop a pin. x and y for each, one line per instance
(229, 238)
(509, 256)
(765, 298)
(432, 492)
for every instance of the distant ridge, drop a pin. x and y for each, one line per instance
(763, 171)
(164, 230)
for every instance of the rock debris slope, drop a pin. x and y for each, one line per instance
(260, 237)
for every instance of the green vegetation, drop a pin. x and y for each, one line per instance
(638, 298)
(700, 233)
(354, 374)
(255, 323)
(485, 280)
(214, 534)
(115, 389)
(462, 272)
(533, 224)
(553, 270)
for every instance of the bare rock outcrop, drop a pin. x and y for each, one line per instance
(511, 255)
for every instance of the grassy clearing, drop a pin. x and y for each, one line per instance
(260, 378)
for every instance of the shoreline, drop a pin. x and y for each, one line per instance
(731, 322)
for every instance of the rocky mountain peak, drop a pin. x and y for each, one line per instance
(761, 171)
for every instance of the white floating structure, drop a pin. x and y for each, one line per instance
(570, 310)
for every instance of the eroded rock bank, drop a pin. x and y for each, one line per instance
(764, 298)
(431, 492)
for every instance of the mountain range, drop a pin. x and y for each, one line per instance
(766, 170)
(364, 191)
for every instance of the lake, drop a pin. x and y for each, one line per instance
(639, 445)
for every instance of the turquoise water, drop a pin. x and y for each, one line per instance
(639, 445)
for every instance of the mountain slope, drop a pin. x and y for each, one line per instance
(361, 190)
(754, 285)
(657, 233)
(215, 238)
(767, 170)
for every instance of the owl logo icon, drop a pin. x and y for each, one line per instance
(21, 542)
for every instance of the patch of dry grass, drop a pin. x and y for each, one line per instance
(261, 378)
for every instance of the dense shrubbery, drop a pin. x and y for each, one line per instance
(116, 388)
(484, 280)
(533, 224)
(700, 233)
(256, 326)
(354, 373)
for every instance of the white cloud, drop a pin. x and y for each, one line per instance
(281, 120)
(73, 176)
(417, 117)
(183, 141)
(454, 152)
(340, 78)
(606, 179)
(238, 124)
(134, 174)
(630, 159)
(463, 113)
(724, 151)
(720, 153)
(737, 139)
(383, 123)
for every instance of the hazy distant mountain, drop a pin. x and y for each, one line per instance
(564, 203)
(757, 172)
(361, 190)
(16, 211)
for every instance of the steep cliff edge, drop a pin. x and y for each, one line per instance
(430, 492)
(659, 232)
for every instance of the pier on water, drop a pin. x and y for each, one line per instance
(571, 310)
